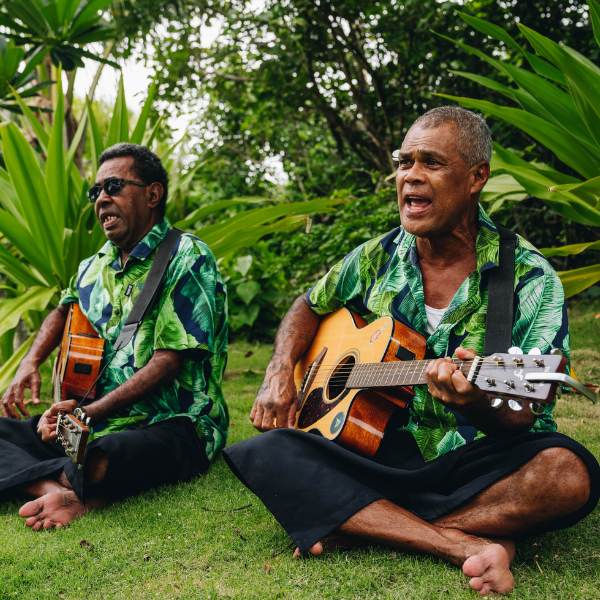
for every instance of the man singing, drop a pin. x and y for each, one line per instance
(161, 417)
(457, 476)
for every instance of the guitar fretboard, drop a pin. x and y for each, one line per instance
(390, 374)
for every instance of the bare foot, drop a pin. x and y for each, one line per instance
(55, 509)
(490, 569)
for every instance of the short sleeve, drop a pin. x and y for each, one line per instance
(349, 282)
(192, 307)
(70, 294)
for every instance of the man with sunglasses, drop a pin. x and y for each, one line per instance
(161, 416)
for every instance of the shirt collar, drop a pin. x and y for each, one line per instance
(487, 244)
(144, 247)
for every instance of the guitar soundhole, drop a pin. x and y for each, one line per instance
(339, 377)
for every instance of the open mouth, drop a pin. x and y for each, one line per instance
(109, 221)
(416, 203)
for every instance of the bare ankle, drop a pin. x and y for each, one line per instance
(41, 487)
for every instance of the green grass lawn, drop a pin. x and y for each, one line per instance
(168, 543)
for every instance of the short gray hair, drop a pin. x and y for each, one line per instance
(473, 139)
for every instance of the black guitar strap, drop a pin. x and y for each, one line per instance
(150, 290)
(501, 289)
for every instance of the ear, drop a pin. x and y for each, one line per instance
(156, 192)
(480, 174)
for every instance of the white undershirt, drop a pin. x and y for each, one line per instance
(434, 316)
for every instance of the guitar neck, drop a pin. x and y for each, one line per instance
(389, 374)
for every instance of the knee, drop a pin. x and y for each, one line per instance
(568, 475)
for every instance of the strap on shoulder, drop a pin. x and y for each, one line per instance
(150, 290)
(501, 289)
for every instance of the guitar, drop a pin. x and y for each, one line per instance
(75, 372)
(355, 375)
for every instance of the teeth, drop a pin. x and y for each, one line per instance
(109, 218)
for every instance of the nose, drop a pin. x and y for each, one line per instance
(416, 173)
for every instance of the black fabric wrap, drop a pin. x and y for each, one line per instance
(311, 485)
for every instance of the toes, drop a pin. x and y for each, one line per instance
(476, 583)
(297, 553)
(475, 566)
(317, 549)
(48, 524)
(31, 521)
(38, 526)
(30, 509)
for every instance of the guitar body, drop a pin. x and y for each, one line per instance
(78, 362)
(353, 418)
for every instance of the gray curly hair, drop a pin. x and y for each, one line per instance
(473, 136)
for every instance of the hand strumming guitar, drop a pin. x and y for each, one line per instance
(47, 424)
(277, 400)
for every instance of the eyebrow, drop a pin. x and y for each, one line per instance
(424, 153)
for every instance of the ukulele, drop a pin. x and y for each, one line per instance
(355, 375)
(74, 374)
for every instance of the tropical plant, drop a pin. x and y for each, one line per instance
(61, 27)
(558, 100)
(48, 225)
(11, 57)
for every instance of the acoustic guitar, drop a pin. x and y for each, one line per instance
(74, 375)
(355, 375)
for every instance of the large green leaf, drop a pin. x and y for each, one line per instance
(30, 185)
(570, 249)
(583, 78)
(138, 133)
(577, 280)
(9, 368)
(56, 173)
(96, 142)
(204, 211)
(11, 309)
(561, 143)
(119, 123)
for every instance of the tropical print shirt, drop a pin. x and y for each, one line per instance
(191, 315)
(382, 278)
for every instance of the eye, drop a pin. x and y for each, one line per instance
(112, 187)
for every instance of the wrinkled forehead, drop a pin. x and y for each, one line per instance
(121, 167)
(431, 142)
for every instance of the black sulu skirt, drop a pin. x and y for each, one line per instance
(311, 485)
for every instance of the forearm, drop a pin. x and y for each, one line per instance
(499, 422)
(294, 336)
(48, 337)
(162, 368)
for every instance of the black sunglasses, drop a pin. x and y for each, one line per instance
(111, 187)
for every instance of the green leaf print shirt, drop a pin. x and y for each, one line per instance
(191, 315)
(382, 278)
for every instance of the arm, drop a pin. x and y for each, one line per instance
(277, 397)
(162, 368)
(450, 387)
(28, 375)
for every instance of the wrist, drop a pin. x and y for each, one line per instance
(280, 366)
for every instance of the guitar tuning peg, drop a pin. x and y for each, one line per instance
(497, 402)
(88, 421)
(515, 405)
(537, 408)
(534, 352)
(515, 350)
(556, 352)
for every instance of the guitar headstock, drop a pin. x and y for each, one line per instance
(507, 375)
(73, 434)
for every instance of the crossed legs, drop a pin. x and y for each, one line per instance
(553, 484)
(55, 503)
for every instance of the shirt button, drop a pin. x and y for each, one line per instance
(119, 275)
(117, 312)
